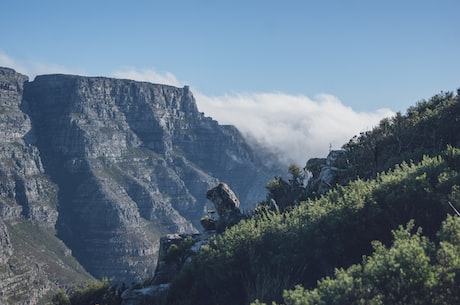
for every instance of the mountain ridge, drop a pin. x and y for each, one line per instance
(122, 163)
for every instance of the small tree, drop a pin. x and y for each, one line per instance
(287, 193)
(60, 298)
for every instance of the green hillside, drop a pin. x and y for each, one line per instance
(426, 129)
(389, 236)
(272, 252)
(414, 270)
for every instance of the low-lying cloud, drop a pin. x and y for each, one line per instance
(296, 126)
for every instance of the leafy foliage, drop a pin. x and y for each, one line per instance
(93, 292)
(287, 193)
(426, 129)
(412, 271)
(263, 255)
(179, 253)
(60, 298)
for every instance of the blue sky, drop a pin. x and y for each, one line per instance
(370, 57)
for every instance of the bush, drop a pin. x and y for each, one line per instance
(60, 298)
(96, 292)
(411, 271)
(260, 257)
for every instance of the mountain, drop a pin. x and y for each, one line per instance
(94, 170)
(31, 256)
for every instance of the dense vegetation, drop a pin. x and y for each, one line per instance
(94, 292)
(361, 243)
(426, 129)
(412, 271)
(261, 257)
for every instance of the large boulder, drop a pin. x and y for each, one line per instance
(224, 199)
(227, 206)
(328, 172)
(179, 249)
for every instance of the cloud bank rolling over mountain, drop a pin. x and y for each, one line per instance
(296, 127)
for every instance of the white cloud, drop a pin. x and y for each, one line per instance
(30, 68)
(297, 126)
(9, 62)
(148, 75)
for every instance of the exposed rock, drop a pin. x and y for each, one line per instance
(111, 165)
(327, 172)
(227, 205)
(175, 251)
(338, 159)
(154, 295)
(208, 223)
(28, 207)
(224, 199)
(132, 161)
(178, 249)
(6, 249)
(25, 191)
(314, 166)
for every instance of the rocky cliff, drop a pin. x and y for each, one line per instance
(112, 165)
(31, 257)
(24, 188)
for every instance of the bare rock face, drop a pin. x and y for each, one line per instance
(24, 188)
(224, 199)
(176, 250)
(93, 171)
(32, 260)
(132, 161)
(6, 249)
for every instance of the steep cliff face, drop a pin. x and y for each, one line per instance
(132, 161)
(32, 259)
(24, 189)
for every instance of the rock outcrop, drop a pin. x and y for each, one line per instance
(227, 206)
(178, 249)
(327, 172)
(111, 165)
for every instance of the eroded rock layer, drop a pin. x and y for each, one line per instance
(108, 166)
